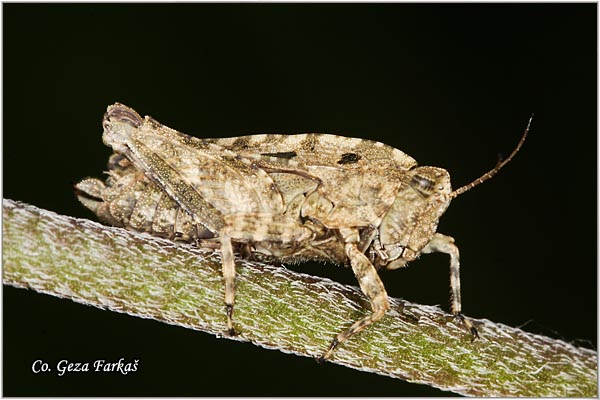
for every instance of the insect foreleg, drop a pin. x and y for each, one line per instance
(370, 284)
(445, 244)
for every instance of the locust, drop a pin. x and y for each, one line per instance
(291, 198)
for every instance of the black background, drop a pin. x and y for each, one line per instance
(451, 85)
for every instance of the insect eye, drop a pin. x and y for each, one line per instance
(422, 184)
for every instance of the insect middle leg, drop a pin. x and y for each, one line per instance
(370, 284)
(229, 278)
(445, 244)
(256, 228)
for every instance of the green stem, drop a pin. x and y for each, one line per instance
(179, 284)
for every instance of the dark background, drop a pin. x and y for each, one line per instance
(452, 85)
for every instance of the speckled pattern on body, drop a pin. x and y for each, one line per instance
(288, 198)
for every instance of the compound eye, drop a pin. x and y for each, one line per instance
(422, 185)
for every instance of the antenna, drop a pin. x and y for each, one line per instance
(497, 168)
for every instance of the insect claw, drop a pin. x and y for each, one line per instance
(230, 328)
(329, 351)
(468, 325)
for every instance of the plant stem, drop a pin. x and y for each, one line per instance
(277, 308)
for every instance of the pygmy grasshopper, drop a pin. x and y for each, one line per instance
(289, 197)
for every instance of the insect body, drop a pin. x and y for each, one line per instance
(289, 197)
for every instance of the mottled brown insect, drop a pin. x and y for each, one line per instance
(289, 197)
